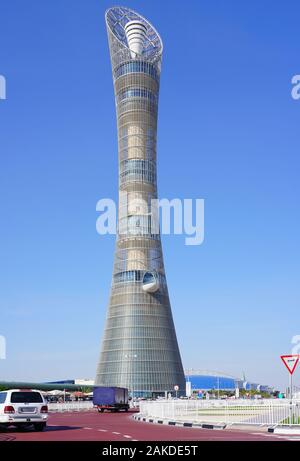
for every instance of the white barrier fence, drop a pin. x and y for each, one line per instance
(253, 412)
(70, 406)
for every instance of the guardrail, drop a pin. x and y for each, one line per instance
(70, 406)
(250, 412)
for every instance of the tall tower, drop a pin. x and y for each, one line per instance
(139, 348)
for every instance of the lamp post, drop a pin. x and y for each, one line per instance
(189, 387)
(131, 357)
(189, 373)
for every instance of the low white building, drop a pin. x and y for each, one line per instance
(84, 382)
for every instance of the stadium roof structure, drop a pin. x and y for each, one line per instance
(199, 372)
(67, 386)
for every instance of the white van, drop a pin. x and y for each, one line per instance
(22, 408)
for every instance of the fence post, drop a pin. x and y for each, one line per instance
(271, 410)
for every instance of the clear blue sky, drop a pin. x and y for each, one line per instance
(228, 133)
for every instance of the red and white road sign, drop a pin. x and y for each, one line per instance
(176, 388)
(290, 362)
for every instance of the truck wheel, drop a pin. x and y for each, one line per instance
(126, 409)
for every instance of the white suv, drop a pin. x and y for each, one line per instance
(23, 407)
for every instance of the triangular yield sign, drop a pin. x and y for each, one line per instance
(290, 362)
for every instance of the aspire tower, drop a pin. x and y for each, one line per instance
(139, 348)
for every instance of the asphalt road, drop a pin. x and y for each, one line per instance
(94, 426)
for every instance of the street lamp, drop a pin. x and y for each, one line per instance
(131, 357)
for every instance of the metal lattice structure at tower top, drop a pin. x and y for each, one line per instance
(139, 348)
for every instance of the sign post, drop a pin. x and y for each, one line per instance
(291, 362)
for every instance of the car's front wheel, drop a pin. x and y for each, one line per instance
(39, 427)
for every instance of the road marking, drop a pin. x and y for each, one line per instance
(90, 428)
(272, 435)
(127, 436)
(117, 433)
(134, 440)
(102, 430)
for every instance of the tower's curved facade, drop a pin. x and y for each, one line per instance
(139, 348)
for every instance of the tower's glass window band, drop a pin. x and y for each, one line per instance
(138, 170)
(136, 67)
(135, 276)
(136, 93)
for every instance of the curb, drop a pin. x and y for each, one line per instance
(170, 422)
(285, 430)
